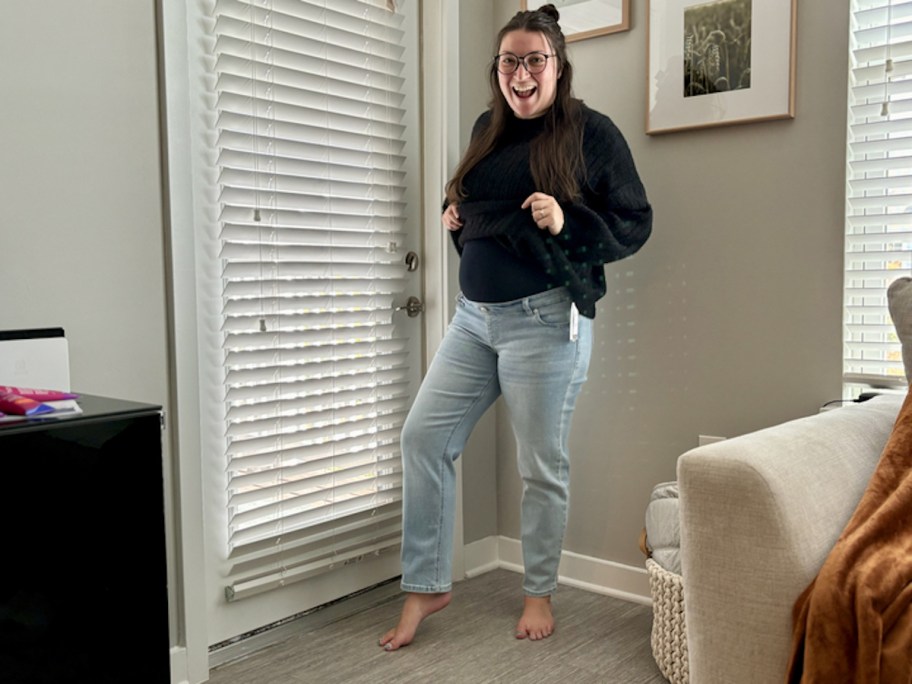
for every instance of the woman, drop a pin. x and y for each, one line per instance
(545, 195)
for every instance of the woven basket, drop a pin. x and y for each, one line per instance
(669, 640)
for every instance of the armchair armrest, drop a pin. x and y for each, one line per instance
(759, 514)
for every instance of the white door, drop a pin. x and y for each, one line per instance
(310, 167)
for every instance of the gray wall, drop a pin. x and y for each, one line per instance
(81, 226)
(729, 319)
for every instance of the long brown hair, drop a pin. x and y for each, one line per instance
(556, 156)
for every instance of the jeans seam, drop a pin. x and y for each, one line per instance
(446, 448)
(560, 469)
(564, 439)
(574, 369)
(440, 516)
(442, 463)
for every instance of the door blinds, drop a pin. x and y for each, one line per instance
(311, 180)
(879, 187)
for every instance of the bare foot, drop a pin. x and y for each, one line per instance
(414, 610)
(537, 621)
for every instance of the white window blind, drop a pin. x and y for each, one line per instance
(879, 186)
(311, 186)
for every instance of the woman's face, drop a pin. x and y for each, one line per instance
(529, 95)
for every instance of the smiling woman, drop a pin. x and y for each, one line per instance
(545, 195)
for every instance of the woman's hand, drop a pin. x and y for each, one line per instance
(546, 212)
(451, 218)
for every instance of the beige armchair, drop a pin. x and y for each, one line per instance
(759, 514)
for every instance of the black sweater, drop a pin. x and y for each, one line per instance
(612, 220)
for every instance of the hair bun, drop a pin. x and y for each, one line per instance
(550, 10)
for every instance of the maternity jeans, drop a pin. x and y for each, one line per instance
(523, 351)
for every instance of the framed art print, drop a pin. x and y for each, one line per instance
(719, 62)
(581, 19)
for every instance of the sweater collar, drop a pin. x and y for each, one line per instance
(524, 129)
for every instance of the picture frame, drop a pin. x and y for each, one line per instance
(582, 19)
(719, 62)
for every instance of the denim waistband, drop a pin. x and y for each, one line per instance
(527, 304)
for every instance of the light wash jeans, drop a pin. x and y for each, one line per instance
(522, 350)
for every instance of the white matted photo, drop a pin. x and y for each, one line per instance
(719, 62)
(581, 19)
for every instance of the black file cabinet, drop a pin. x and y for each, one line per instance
(83, 595)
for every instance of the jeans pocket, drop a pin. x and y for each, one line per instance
(553, 314)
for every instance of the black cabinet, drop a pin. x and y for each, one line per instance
(83, 594)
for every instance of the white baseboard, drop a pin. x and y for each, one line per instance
(583, 572)
(481, 556)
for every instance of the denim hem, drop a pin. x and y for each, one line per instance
(421, 589)
(540, 594)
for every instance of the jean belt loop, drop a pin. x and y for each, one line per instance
(527, 306)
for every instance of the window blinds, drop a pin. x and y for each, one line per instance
(879, 186)
(311, 171)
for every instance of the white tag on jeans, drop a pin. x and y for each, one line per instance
(574, 322)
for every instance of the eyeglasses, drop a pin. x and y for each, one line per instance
(534, 62)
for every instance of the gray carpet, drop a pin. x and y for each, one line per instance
(598, 639)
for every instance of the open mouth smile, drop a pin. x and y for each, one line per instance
(524, 91)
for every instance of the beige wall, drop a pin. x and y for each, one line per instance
(729, 319)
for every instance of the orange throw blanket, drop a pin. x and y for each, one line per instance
(854, 622)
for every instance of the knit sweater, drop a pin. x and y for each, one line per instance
(611, 220)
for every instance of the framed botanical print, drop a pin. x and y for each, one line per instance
(719, 62)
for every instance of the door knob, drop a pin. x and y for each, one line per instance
(412, 307)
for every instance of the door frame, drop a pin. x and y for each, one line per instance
(441, 151)
(439, 45)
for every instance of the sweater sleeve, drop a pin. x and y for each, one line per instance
(614, 218)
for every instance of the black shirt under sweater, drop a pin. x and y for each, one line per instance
(612, 220)
(488, 270)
